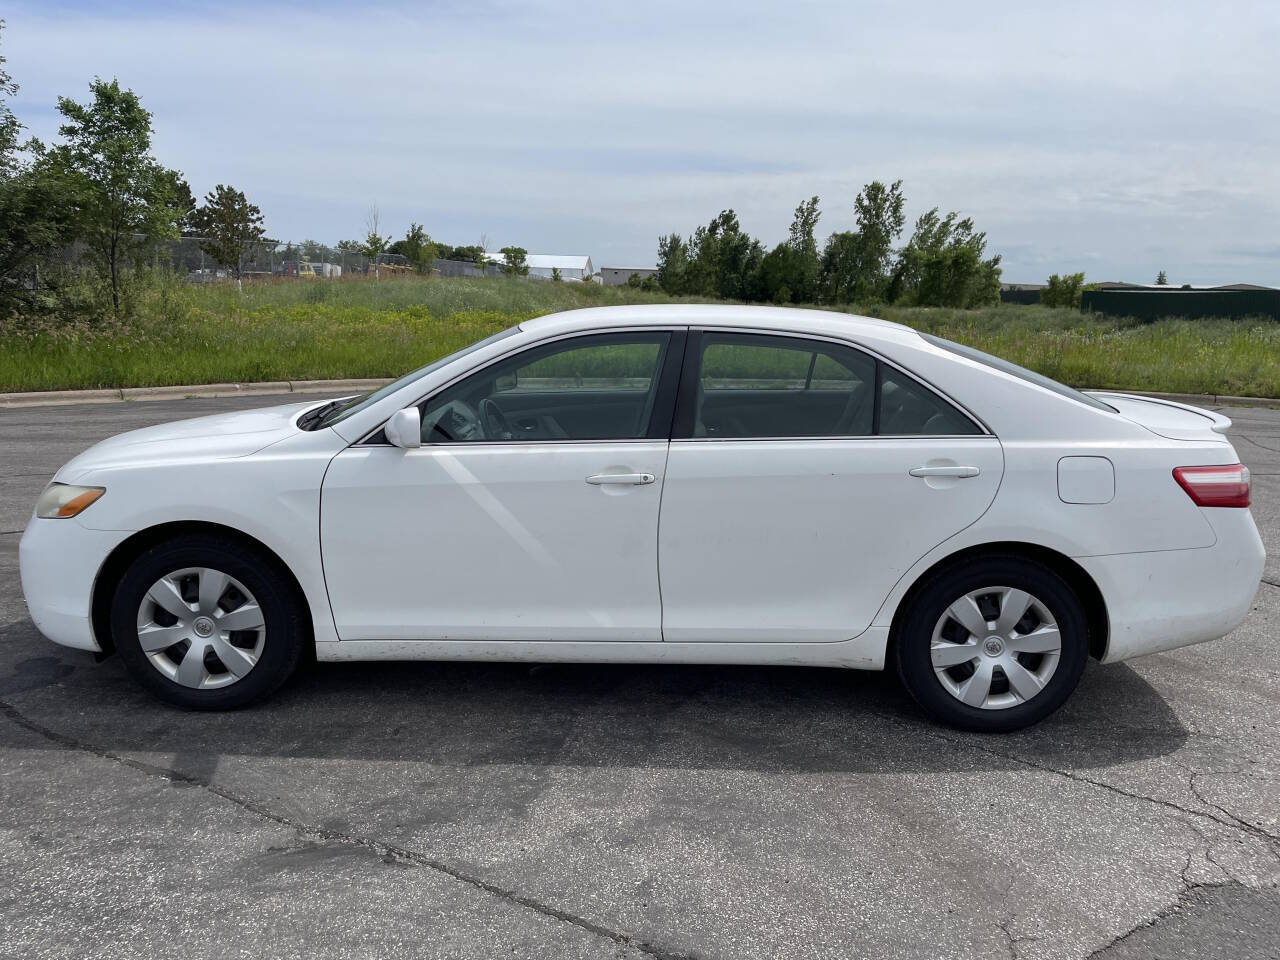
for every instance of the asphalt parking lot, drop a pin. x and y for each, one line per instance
(486, 810)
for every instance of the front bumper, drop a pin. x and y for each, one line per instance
(1167, 599)
(58, 561)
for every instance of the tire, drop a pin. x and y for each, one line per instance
(945, 665)
(265, 623)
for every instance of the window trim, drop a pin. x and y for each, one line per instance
(682, 424)
(670, 364)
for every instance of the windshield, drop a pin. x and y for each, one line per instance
(339, 410)
(1022, 373)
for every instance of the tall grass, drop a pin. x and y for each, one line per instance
(183, 334)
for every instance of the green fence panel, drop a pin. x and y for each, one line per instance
(1192, 304)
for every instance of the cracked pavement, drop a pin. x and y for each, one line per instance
(482, 810)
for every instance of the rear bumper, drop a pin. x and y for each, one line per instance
(1167, 599)
(58, 561)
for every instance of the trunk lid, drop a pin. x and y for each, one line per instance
(1168, 418)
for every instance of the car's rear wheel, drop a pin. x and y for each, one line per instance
(993, 645)
(205, 623)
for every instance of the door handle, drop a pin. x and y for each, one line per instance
(956, 471)
(634, 479)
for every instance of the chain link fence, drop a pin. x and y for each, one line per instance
(270, 260)
(260, 260)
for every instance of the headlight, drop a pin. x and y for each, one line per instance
(61, 500)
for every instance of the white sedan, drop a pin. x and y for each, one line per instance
(684, 484)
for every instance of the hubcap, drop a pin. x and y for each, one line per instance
(995, 647)
(201, 628)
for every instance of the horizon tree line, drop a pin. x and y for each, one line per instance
(943, 263)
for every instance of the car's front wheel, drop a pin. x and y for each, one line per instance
(205, 623)
(993, 645)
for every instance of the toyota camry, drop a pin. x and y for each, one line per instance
(677, 484)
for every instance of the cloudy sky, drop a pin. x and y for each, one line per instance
(1118, 137)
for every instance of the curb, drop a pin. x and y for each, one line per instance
(47, 398)
(204, 391)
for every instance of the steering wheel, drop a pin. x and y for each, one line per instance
(494, 421)
(458, 421)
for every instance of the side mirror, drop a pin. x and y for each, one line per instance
(404, 429)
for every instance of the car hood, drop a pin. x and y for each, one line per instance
(1168, 418)
(219, 437)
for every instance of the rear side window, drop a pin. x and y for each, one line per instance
(761, 386)
(910, 409)
(1022, 373)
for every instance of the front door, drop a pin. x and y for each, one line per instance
(530, 512)
(805, 478)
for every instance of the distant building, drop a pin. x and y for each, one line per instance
(1174, 288)
(1149, 301)
(465, 268)
(541, 265)
(1021, 292)
(618, 276)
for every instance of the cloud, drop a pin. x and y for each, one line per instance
(1120, 138)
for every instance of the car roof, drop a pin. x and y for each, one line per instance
(789, 319)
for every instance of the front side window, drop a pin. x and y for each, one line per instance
(340, 410)
(763, 386)
(600, 387)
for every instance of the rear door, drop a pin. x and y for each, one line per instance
(804, 478)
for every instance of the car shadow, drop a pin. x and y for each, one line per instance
(764, 719)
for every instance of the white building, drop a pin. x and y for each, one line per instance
(618, 276)
(541, 265)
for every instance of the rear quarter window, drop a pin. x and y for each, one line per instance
(1022, 373)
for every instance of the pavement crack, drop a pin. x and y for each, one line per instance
(1220, 817)
(1262, 446)
(380, 848)
(1245, 825)
(1012, 941)
(1187, 893)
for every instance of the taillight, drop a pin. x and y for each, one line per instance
(1220, 486)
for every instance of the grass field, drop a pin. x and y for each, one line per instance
(182, 334)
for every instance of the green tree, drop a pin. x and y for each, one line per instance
(10, 128)
(227, 223)
(673, 264)
(124, 199)
(555, 275)
(1063, 291)
(1162, 279)
(719, 260)
(855, 264)
(182, 199)
(374, 244)
(723, 259)
(780, 268)
(418, 248)
(803, 266)
(944, 264)
(36, 213)
(513, 261)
